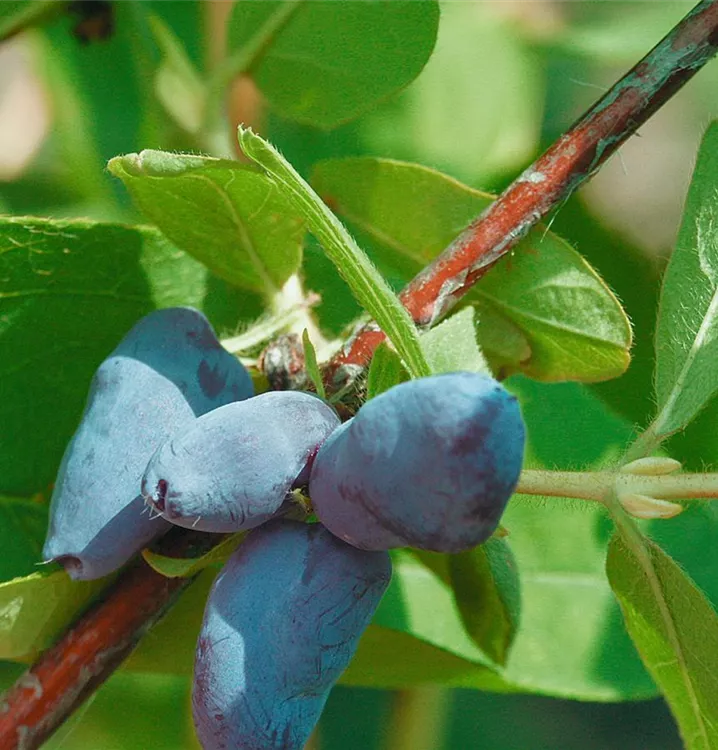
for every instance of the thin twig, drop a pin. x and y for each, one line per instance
(69, 672)
(572, 160)
(595, 485)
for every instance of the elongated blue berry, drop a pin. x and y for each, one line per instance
(282, 622)
(232, 468)
(430, 463)
(169, 369)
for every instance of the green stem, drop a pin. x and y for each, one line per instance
(291, 314)
(367, 284)
(595, 485)
(243, 61)
(32, 14)
(645, 444)
(418, 719)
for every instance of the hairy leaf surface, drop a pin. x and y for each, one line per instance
(367, 284)
(676, 632)
(228, 216)
(561, 321)
(687, 331)
(69, 291)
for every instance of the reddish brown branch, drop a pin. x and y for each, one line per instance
(572, 160)
(84, 657)
(88, 653)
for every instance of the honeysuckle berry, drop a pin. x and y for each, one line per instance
(169, 369)
(282, 622)
(430, 463)
(233, 468)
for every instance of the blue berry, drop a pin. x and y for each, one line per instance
(169, 369)
(282, 622)
(430, 463)
(233, 468)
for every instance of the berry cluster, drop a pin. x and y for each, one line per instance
(171, 421)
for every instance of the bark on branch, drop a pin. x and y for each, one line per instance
(545, 185)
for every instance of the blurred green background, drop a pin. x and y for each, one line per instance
(507, 77)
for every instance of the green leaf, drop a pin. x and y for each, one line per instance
(486, 587)
(392, 659)
(691, 539)
(569, 324)
(676, 632)
(229, 217)
(487, 590)
(171, 645)
(687, 331)
(34, 609)
(420, 604)
(18, 15)
(573, 323)
(478, 109)
(343, 57)
(451, 346)
(502, 342)
(571, 641)
(366, 283)
(385, 371)
(186, 567)
(635, 277)
(69, 291)
(177, 83)
(310, 362)
(22, 532)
